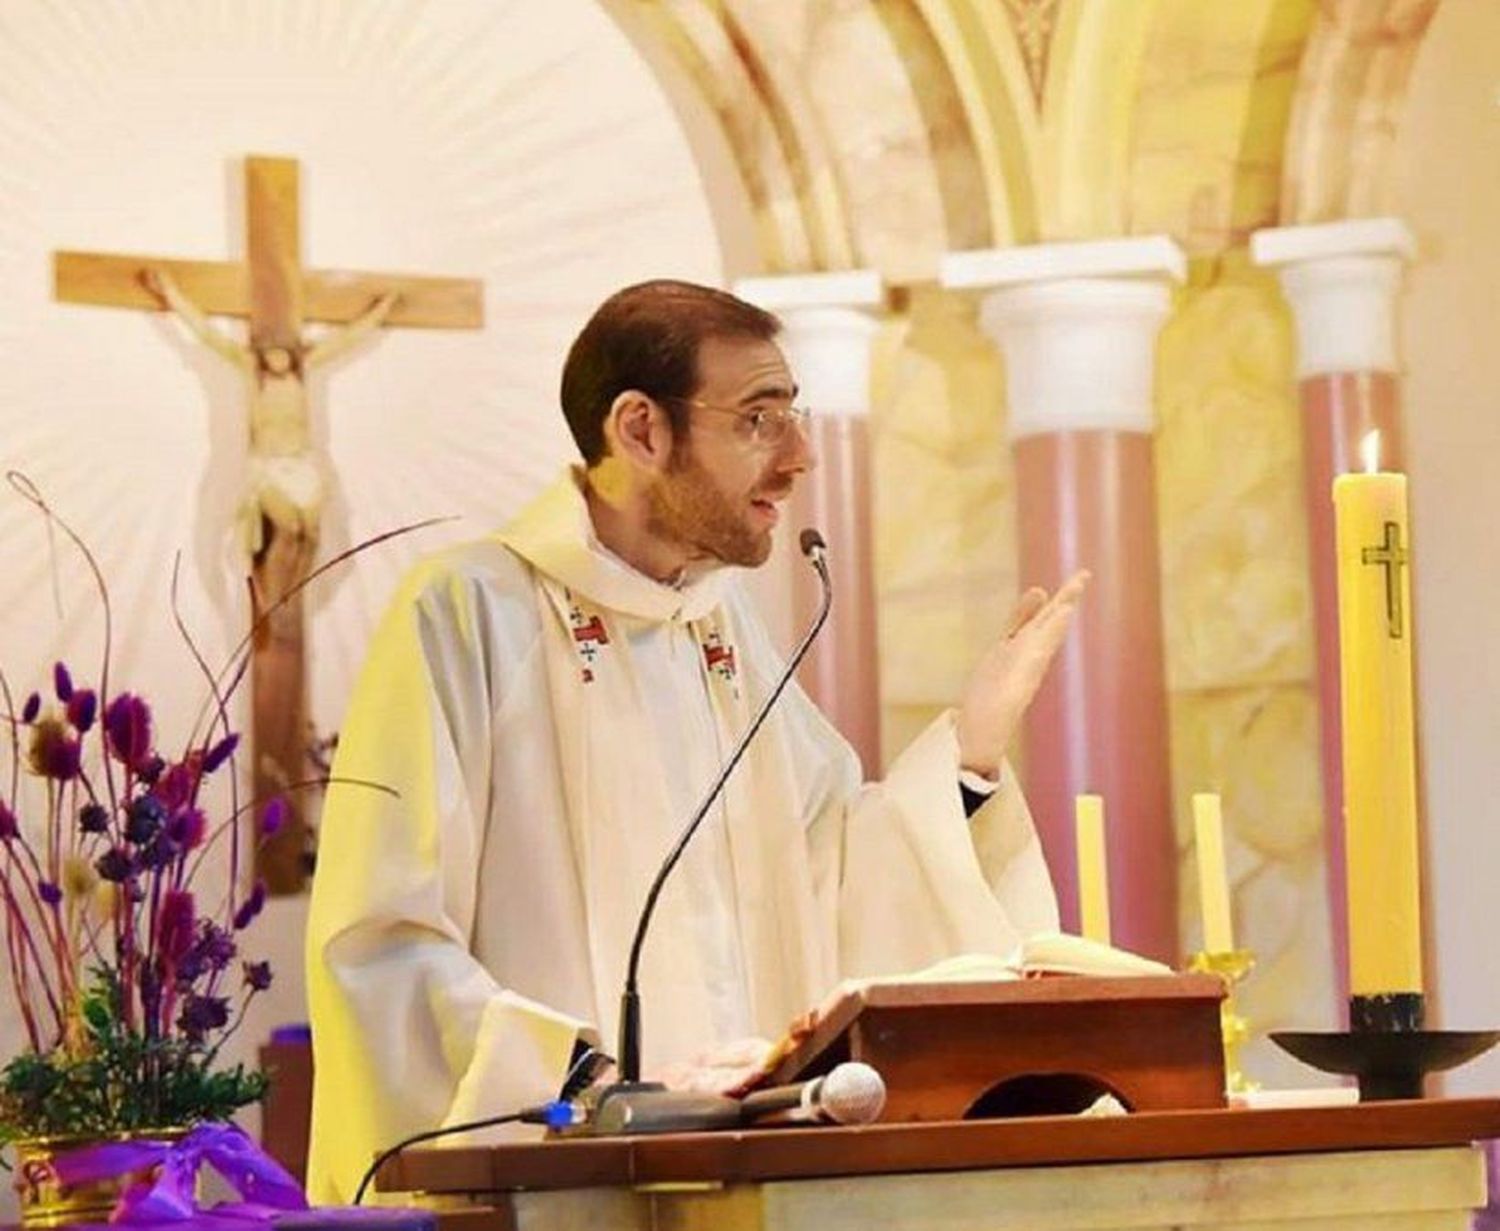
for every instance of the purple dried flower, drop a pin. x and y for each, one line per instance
(201, 1014)
(51, 893)
(32, 708)
(127, 723)
(159, 852)
(250, 907)
(62, 683)
(93, 818)
(10, 828)
(150, 769)
(115, 865)
(83, 706)
(257, 976)
(54, 753)
(215, 947)
(187, 828)
(175, 787)
(174, 925)
(273, 817)
(221, 752)
(144, 818)
(68, 761)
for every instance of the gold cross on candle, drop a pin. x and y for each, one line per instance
(1392, 557)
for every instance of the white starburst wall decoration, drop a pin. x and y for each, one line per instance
(524, 144)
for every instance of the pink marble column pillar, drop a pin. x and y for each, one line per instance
(1342, 280)
(829, 328)
(1077, 324)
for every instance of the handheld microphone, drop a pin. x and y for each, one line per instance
(850, 1093)
(814, 548)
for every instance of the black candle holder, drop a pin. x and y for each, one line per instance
(1386, 1046)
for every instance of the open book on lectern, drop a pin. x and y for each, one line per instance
(1041, 955)
(1046, 953)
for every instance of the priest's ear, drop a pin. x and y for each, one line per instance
(639, 431)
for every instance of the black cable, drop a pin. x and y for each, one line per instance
(583, 1065)
(415, 1138)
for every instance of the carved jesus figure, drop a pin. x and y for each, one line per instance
(279, 517)
(285, 488)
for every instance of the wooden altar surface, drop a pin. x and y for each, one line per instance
(760, 1155)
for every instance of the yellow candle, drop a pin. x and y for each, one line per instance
(1093, 868)
(1213, 877)
(1380, 780)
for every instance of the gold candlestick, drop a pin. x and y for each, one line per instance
(1231, 966)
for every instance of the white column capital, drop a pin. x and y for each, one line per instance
(829, 325)
(1077, 324)
(845, 288)
(1342, 280)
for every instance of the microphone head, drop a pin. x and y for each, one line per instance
(852, 1093)
(811, 541)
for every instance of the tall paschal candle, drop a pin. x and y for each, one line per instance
(1379, 741)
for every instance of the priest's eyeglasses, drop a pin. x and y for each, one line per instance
(767, 426)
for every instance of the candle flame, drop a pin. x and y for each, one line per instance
(1369, 450)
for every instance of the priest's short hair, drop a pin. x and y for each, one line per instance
(647, 337)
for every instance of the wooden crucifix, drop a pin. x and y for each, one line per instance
(283, 497)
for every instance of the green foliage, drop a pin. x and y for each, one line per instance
(116, 1080)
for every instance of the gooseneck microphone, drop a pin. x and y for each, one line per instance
(813, 547)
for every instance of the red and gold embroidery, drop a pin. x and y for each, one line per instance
(589, 637)
(720, 659)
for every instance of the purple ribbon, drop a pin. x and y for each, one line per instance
(266, 1188)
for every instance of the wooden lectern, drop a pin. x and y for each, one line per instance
(976, 1061)
(1055, 1043)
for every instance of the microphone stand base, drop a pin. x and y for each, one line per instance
(635, 1108)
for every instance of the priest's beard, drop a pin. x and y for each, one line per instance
(689, 509)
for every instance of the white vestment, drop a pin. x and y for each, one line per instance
(548, 717)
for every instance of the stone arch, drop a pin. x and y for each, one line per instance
(1211, 116)
(876, 133)
(1350, 95)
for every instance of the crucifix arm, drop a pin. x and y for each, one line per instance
(164, 287)
(341, 340)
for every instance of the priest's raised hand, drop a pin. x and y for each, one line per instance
(1011, 671)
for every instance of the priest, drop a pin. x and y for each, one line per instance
(549, 703)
